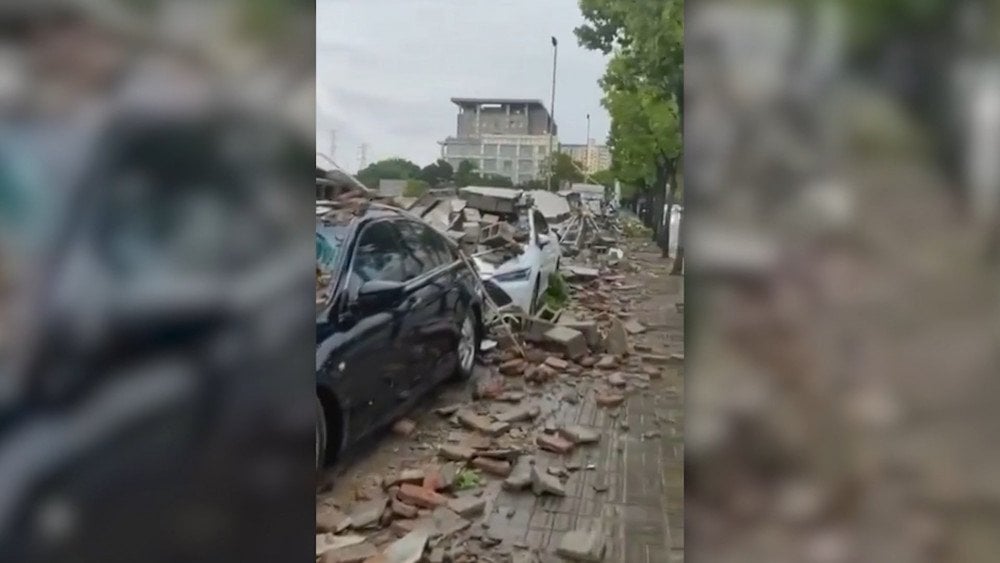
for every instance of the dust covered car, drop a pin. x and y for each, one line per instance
(398, 312)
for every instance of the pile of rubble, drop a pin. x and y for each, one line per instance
(499, 441)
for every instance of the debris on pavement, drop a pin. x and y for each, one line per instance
(504, 437)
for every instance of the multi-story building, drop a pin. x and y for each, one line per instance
(509, 137)
(594, 157)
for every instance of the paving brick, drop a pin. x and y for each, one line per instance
(455, 452)
(519, 414)
(542, 483)
(367, 514)
(513, 367)
(590, 331)
(357, 553)
(404, 427)
(403, 510)
(492, 466)
(554, 444)
(557, 363)
(520, 476)
(467, 506)
(331, 519)
(616, 341)
(583, 545)
(571, 343)
(415, 476)
(419, 496)
(482, 424)
(607, 361)
(609, 400)
(580, 435)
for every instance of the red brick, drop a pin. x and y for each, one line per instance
(419, 496)
(492, 466)
(404, 427)
(402, 509)
(556, 363)
(609, 400)
(652, 372)
(554, 444)
(512, 367)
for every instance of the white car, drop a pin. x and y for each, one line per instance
(524, 279)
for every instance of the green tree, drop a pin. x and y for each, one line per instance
(605, 178)
(564, 169)
(388, 169)
(438, 173)
(532, 185)
(466, 174)
(415, 188)
(643, 92)
(494, 180)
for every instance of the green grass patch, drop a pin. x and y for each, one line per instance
(557, 294)
(468, 479)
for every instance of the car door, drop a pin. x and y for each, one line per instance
(430, 322)
(550, 250)
(370, 352)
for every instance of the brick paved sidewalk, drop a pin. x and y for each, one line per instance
(631, 482)
(639, 458)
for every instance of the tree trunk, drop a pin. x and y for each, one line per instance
(671, 198)
(658, 199)
(678, 266)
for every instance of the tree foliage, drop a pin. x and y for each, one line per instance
(388, 169)
(468, 175)
(564, 170)
(438, 173)
(643, 89)
(415, 188)
(605, 178)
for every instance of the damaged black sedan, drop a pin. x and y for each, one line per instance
(398, 313)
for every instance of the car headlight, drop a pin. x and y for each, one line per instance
(516, 275)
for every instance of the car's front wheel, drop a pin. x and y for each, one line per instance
(468, 346)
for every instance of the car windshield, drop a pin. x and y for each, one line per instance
(329, 243)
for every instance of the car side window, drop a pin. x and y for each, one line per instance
(541, 225)
(425, 248)
(440, 246)
(379, 254)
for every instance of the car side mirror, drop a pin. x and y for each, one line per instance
(544, 240)
(378, 296)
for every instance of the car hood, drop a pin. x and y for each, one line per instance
(525, 260)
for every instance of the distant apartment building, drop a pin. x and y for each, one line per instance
(509, 137)
(594, 157)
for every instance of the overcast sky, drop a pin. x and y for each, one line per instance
(387, 69)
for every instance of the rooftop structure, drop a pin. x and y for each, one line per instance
(506, 136)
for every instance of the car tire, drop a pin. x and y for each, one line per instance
(321, 439)
(467, 349)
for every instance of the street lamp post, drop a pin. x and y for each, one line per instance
(552, 112)
(588, 163)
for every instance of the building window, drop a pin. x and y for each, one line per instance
(508, 151)
(490, 150)
(508, 165)
(527, 150)
(542, 149)
(489, 165)
(525, 165)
